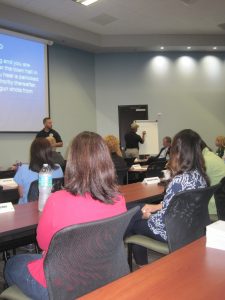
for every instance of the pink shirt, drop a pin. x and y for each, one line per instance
(63, 209)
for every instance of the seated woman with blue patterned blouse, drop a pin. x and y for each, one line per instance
(188, 172)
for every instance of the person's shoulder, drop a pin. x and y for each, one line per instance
(189, 178)
(53, 131)
(23, 168)
(40, 132)
(58, 196)
(180, 178)
(57, 167)
(120, 200)
(23, 172)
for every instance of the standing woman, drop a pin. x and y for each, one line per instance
(40, 153)
(188, 172)
(90, 194)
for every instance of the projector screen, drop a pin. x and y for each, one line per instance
(23, 83)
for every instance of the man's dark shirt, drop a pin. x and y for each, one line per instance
(132, 140)
(51, 132)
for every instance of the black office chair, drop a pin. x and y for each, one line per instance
(219, 196)
(129, 161)
(155, 168)
(33, 193)
(84, 257)
(7, 174)
(122, 176)
(97, 258)
(186, 219)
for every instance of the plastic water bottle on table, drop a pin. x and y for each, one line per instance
(44, 185)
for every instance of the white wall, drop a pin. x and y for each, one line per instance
(72, 102)
(188, 89)
(72, 92)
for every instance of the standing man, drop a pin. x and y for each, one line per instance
(132, 140)
(48, 131)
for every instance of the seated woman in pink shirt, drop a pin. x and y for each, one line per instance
(90, 194)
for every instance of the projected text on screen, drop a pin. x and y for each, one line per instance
(23, 83)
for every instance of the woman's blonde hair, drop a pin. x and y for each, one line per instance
(221, 140)
(52, 140)
(113, 144)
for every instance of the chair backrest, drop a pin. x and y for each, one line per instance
(155, 168)
(7, 174)
(129, 161)
(122, 176)
(187, 216)
(33, 193)
(219, 196)
(84, 257)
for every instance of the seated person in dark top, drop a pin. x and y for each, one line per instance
(164, 151)
(48, 131)
(56, 156)
(132, 140)
(116, 155)
(220, 143)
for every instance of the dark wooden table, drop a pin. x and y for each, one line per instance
(191, 273)
(141, 192)
(9, 191)
(19, 228)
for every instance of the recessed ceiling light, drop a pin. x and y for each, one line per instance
(214, 48)
(85, 2)
(162, 48)
(189, 47)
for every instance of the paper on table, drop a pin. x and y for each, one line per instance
(8, 183)
(151, 180)
(6, 207)
(139, 167)
(215, 235)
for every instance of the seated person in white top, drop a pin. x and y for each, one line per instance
(40, 153)
(164, 151)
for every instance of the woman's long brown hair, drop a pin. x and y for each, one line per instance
(186, 154)
(41, 153)
(90, 168)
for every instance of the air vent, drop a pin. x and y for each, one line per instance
(103, 19)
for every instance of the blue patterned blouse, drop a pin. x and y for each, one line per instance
(186, 181)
